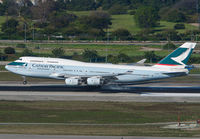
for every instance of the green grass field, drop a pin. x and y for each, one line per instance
(120, 131)
(127, 21)
(96, 113)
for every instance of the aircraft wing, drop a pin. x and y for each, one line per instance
(106, 76)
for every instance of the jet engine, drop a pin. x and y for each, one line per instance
(95, 81)
(72, 81)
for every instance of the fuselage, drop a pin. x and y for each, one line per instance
(63, 68)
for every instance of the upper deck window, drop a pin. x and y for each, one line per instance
(35, 61)
(52, 61)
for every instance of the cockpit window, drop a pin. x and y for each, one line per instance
(17, 64)
(20, 59)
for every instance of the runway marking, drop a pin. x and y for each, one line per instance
(171, 94)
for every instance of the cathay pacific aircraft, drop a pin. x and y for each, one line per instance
(77, 73)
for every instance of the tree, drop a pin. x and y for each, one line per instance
(171, 35)
(179, 26)
(10, 27)
(176, 16)
(170, 46)
(122, 34)
(99, 19)
(9, 50)
(81, 5)
(123, 58)
(150, 55)
(92, 25)
(60, 5)
(90, 54)
(25, 7)
(61, 19)
(146, 17)
(58, 52)
(27, 52)
(42, 10)
(11, 7)
(2, 9)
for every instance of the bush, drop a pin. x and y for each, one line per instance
(58, 52)
(179, 26)
(9, 50)
(21, 45)
(37, 47)
(169, 45)
(27, 52)
(90, 54)
(122, 34)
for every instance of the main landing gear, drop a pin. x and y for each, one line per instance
(24, 81)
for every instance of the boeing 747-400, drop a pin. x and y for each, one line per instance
(77, 73)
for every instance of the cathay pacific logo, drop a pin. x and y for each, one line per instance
(179, 59)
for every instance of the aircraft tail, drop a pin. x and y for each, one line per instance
(179, 57)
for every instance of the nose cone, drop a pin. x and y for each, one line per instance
(7, 67)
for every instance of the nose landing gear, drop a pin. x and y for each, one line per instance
(24, 81)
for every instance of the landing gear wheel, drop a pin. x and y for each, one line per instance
(24, 82)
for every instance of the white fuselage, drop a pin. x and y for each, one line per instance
(69, 69)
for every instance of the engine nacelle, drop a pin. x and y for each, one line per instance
(95, 81)
(72, 81)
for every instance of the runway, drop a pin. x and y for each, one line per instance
(21, 136)
(43, 92)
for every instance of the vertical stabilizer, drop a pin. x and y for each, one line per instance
(179, 57)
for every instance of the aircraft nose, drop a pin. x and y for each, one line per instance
(7, 67)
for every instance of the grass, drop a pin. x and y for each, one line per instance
(170, 25)
(96, 113)
(127, 21)
(130, 50)
(97, 130)
(124, 21)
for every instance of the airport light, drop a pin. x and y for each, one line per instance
(25, 31)
(33, 32)
(198, 18)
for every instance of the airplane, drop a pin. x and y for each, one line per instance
(76, 73)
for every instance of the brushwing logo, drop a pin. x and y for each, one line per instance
(182, 57)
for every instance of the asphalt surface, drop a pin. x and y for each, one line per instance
(21, 136)
(141, 93)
